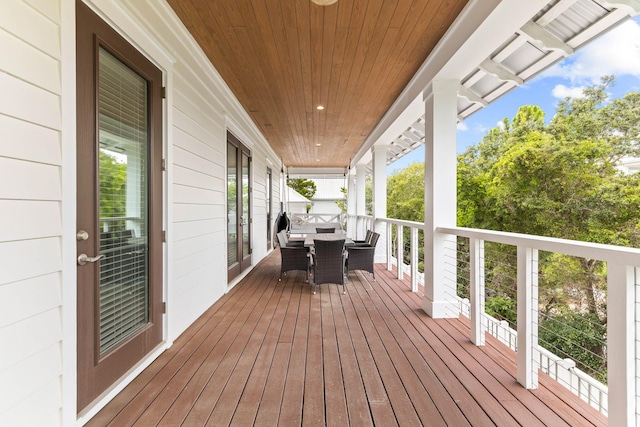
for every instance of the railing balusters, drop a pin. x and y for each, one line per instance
(477, 290)
(389, 243)
(621, 344)
(400, 251)
(414, 259)
(527, 316)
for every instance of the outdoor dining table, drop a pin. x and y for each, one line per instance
(309, 238)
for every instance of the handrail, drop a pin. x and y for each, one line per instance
(609, 253)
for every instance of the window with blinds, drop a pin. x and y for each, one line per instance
(123, 198)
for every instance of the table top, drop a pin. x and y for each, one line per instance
(308, 240)
(310, 228)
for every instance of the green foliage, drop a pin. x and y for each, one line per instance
(342, 203)
(405, 193)
(368, 195)
(502, 308)
(306, 187)
(579, 336)
(113, 182)
(558, 180)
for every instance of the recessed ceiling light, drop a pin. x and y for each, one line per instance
(317, 160)
(318, 145)
(320, 107)
(323, 2)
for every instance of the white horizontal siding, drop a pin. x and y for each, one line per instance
(29, 219)
(191, 229)
(190, 178)
(30, 214)
(32, 104)
(32, 25)
(48, 401)
(26, 141)
(186, 247)
(199, 203)
(186, 213)
(28, 298)
(23, 60)
(27, 408)
(21, 179)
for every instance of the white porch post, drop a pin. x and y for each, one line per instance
(440, 199)
(621, 344)
(379, 153)
(361, 206)
(352, 223)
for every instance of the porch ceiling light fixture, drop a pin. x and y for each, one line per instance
(324, 2)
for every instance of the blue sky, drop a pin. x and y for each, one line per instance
(615, 53)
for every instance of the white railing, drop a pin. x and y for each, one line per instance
(315, 218)
(618, 400)
(357, 225)
(562, 370)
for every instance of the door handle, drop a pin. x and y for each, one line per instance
(83, 258)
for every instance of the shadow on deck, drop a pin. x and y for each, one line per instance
(272, 353)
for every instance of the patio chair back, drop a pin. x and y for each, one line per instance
(329, 263)
(325, 230)
(293, 258)
(361, 257)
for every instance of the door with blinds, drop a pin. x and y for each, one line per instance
(238, 207)
(119, 199)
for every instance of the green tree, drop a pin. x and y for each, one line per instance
(405, 200)
(306, 187)
(112, 186)
(558, 180)
(368, 195)
(405, 193)
(342, 203)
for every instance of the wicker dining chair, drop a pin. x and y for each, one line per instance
(328, 265)
(361, 257)
(292, 257)
(325, 230)
(284, 240)
(366, 241)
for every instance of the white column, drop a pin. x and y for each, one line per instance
(351, 206)
(379, 153)
(361, 204)
(440, 199)
(621, 344)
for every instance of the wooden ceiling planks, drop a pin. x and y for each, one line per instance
(282, 58)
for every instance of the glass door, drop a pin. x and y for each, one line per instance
(269, 195)
(238, 207)
(119, 206)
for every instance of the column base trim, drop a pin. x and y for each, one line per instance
(440, 309)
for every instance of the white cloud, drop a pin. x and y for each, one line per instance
(615, 53)
(462, 126)
(500, 125)
(479, 128)
(561, 91)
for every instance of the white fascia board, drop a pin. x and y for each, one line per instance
(481, 27)
(504, 21)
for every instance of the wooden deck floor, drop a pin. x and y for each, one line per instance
(272, 353)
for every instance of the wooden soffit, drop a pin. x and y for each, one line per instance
(283, 58)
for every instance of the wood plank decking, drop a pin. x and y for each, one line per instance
(272, 353)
